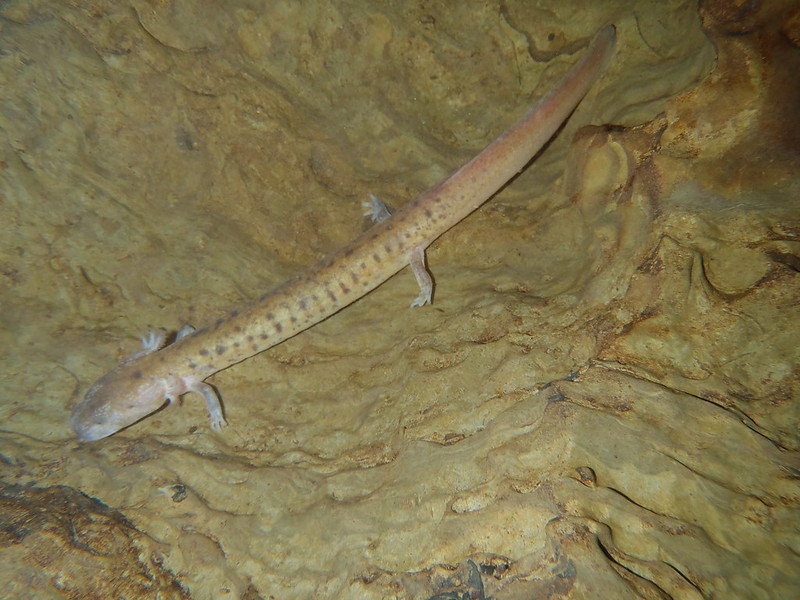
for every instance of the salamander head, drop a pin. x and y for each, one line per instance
(118, 399)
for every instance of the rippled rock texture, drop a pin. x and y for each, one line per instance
(602, 400)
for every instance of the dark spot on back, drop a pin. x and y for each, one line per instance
(234, 313)
(137, 375)
(278, 327)
(204, 352)
(220, 349)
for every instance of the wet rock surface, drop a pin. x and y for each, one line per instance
(602, 400)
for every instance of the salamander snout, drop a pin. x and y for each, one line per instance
(117, 400)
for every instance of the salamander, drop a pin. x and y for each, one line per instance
(143, 382)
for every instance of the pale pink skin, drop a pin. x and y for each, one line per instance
(141, 384)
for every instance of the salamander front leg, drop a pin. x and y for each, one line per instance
(213, 405)
(184, 331)
(151, 342)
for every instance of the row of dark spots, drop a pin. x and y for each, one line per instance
(285, 306)
(303, 306)
(220, 349)
(356, 277)
(429, 214)
(278, 325)
(329, 292)
(218, 323)
(311, 305)
(193, 365)
(432, 216)
(363, 267)
(252, 339)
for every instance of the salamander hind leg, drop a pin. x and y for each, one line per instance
(376, 210)
(424, 281)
